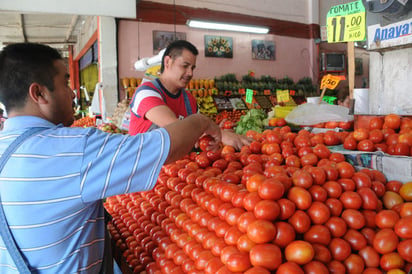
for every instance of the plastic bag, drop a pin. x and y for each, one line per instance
(311, 114)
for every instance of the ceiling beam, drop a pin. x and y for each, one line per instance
(73, 23)
(22, 27)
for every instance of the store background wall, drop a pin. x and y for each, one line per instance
(294, 56)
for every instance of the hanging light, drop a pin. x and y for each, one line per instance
(225, 26)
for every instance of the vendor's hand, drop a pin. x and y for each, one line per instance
(214, 134)
(235, 140)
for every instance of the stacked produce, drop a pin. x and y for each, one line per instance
(391, 134)
(284, 204)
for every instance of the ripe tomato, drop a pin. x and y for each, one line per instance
(350, 143)
(403, 227)
(376, 123)
(261, 231)
(406, 191)
(385, 241)
(271, 189)
(268, 256)
(284, 235)
(370, 256)
(300, 252)
(204, 142)
(322, 253)
(405, 250)
(318, 193)
(392, 121)
(337, 226)
(289, 267)
(353, 218)
(318, 212)
(351, 199)
(335, 206)
(360, 134)
(318, 234)
(339, 248)
(355, 239)
(287, 208)
(267, 210)
(300, 221)
(366, 145)
(405, 209)
(321, 151)
(345, 169)
(391, 261)
(386, 218)
(354, 263)
(300, 196)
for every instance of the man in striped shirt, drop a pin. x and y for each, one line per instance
(52, 186)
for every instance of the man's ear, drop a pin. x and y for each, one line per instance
(36, 93)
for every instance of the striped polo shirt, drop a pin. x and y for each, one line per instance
(52, 189)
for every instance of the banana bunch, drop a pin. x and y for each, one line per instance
(206, 105)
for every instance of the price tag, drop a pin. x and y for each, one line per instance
(249, 95)
(282, 95)
(346, 22)
(330, 81)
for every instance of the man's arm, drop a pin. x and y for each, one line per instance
(161, 115)
(185, 133)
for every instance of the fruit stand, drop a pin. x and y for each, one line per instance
(290, 202)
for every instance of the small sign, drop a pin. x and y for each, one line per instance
(330, 81)
(282, 95)
(346, 22)
(249, 95)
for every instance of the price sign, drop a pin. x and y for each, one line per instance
(330, 81)
(346, 22)
(249, 96)
(282, 95)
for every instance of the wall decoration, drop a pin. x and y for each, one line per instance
(263, 50)
(218, 46)
(161, 39)
(358, 66)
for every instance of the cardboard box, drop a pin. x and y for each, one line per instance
(393, 167)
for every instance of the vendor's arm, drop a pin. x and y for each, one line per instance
(185, 133)
(161, 115)
(235, 140)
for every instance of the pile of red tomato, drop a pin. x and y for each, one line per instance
(283, 204)
(391, 134)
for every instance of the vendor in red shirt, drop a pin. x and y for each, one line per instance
(162, 101)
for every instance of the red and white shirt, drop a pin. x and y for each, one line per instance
(151, 94)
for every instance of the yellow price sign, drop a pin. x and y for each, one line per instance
(346, 22)
(330, 81)
(282, 95)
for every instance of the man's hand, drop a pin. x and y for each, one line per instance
(235, 140)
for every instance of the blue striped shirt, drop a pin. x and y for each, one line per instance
(51, 189)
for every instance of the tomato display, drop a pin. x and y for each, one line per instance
(284, 204)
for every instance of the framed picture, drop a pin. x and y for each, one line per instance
(358, 66)
(263, 50)
(161, 39)
(218, 46)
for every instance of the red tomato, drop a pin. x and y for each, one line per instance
(386, 218)
(351, 199)
(287, 208)
(204, 142)
(268, 256)
(355, 239)
(250, 200)
(376, 123)
(261, 231)
(333, 188)
(300, 252)
(267, 210)
(392, 121)
(353, 218)
(345, 169)
(245, 220)
(350, 143)
(284, 235)
(318, 234)
(339, 248)
(300, 221)
(257, 270)
(360, 134)
(322, 253)
(302, 178)
(321, 151)
(336, 266)
(289, 267)
(337, 226)
(300, 196)
(318, 193)
(331, 138)
(391, 261)
(405, 209)
(335, 206)
(370, 256)
(366, 145)
(403, 227)
(271, 189)
(405, 250)
(385, 241)
(354, 263)
(318, 212)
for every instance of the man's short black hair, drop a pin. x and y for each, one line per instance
(175, 49)
(21, 65)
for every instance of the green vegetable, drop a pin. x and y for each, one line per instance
(252, 120)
